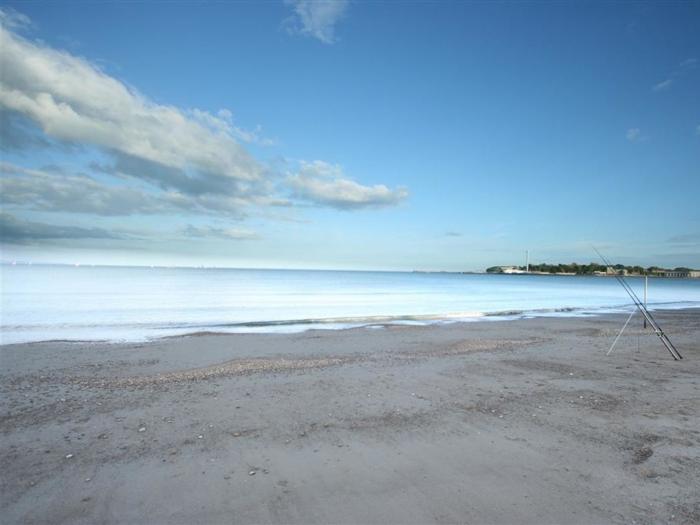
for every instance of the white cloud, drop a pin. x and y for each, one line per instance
(661, 86)
(318, 18)
(11, 18)
(676, 74)
(224, 122)
(232, 234)
(74, 101)
(325, 184)
(167, 159)
(634, 135)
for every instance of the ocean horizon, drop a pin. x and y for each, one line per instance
(134, 303)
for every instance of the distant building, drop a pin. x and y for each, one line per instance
(682, 274)
(611, 271)
(511, 269)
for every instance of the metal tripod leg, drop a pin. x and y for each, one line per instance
(623, 329)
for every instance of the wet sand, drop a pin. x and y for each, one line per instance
(522, 421)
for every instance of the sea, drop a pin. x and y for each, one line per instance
(109, 303)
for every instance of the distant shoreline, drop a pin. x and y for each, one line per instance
(581, 275)
(595, 269)
(562, 274)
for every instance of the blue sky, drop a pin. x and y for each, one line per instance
(446, 136)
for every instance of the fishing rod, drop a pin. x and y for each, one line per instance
(620, 279)
(647, 314)
(630, 291)
(643, 309)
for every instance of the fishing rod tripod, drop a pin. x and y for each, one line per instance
(648, 318)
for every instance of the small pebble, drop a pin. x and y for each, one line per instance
(68, 456)
(200, 437)
(251, 473)
(142, 429)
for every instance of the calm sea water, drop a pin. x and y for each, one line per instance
(42, 302)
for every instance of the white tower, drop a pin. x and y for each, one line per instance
(527, 260)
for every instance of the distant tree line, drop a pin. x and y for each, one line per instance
(590, 268)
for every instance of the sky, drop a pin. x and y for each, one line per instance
(350, 135)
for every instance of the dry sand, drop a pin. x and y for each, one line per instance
(492, 422)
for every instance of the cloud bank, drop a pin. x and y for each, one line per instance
(688, 239)
(71, 100)
(57, 191)
(148, 158)
(19, 231)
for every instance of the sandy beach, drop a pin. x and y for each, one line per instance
(523, 421)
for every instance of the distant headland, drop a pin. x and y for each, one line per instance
(596, 269)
